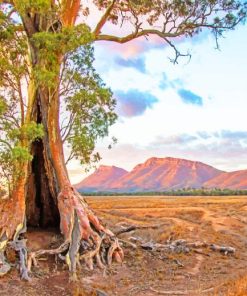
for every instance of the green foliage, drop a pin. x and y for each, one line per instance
(15, 149)
(36, 52)
(29, 132)
(20, 154)
(52, 45)
(84, 97)
(89, 103)
(39, 6)
(13, 55)
(3, 106)
(178, 17)
(62, 41)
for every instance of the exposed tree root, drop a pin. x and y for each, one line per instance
(4, 265)
(86, 239)
(33, 256)
(97, 250)
(13, 225)
(19, 245)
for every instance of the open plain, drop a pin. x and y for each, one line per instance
(159, 221)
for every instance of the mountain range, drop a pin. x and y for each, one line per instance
(162, 174)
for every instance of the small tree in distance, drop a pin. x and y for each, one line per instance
(45, 69)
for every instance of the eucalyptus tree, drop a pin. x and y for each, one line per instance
(50, 95)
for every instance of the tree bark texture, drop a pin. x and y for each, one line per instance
(44, 196)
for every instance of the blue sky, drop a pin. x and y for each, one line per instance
(194, 110)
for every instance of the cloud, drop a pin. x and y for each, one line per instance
(204, 135)
(164, 82)
(133, 102)
(189, 97)
(235, 135)
(204, 146)
(216, 148)
(137, 63)
(173, 140)
(222, 150)
(133, 48)
(211, 150)
(210, 139)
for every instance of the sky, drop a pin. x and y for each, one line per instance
(195, 109)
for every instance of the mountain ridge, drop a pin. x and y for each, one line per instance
(229, 180)
(101, 178)
(161, 174)
(165, 173)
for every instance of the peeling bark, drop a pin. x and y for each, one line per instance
(44, 198)
(43, 195)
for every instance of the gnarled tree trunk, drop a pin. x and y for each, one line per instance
(43, 195)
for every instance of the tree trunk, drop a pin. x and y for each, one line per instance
(43, 196)
(43, 186)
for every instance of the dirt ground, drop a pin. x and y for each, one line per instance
(214, 220)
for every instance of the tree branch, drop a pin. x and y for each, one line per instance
(103, 19)
(65, 131)
(177, 52)
(21, 103)
(6, 143)
(70, 11)
(135, 35)
(71, 156)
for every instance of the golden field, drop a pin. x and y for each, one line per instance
(214, 220)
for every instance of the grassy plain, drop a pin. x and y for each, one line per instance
(214, 220)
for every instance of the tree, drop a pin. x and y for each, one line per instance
(46, 69)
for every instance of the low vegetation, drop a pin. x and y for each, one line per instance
(179, 192)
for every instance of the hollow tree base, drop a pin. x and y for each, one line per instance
(86, 240)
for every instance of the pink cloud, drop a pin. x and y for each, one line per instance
(135, 47)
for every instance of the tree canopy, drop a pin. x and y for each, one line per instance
(87, 105)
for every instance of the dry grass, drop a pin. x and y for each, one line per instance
(237, 287)
(220, 220)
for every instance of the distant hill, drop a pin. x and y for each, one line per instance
(155, 174)
(101, 179)
(231, 180)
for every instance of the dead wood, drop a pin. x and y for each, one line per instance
(177, 246)
(134, 246)
(223, 249)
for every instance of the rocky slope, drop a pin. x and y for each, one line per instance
(101, 179)
(155, 174)
(232, 180)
